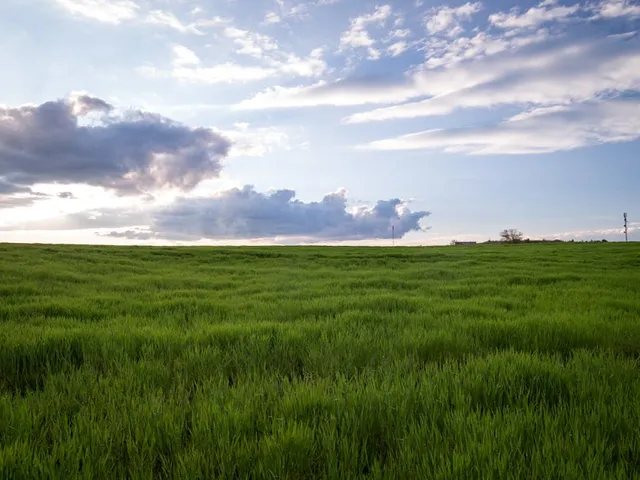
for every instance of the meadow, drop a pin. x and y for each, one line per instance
(493, 361)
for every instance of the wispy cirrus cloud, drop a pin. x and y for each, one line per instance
(107, 11)
(169, 20)
(546, 11)
(541, 130)
(543, 74)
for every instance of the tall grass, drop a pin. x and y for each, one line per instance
(455, 362)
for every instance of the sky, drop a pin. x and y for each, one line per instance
(317, 122)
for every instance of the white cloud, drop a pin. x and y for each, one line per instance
(535, 16)
(311, 66)
(107, 11)
(226, 72)
(616, 8)
(250, 43)
(448, 20)
(400, 33)
(590, 234)
(187, 66)
(441, 52)
(550, 74)
(322, 93)
(271, 18)
(357, 35)
(168, 19)
(542, 130)
(248, 141)
(397, 48)
(183, 56)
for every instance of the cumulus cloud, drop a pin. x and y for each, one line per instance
(106, 11)
(541, 130)
(248, 214)
(448, 20)
(130, 153)
(542, 74)
(357, 35)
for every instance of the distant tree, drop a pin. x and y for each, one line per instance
(511, 235)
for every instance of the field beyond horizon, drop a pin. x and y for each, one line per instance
(501, 361)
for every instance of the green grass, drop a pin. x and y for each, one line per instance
(320, 362)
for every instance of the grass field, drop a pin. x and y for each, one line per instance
(320, 362)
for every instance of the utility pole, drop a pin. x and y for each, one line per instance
(626, 231)
(393, 235)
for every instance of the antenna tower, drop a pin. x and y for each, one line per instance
(626, 230)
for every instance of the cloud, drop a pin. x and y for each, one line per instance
(541, 130)
(616, 8)
(251, 43)
(542, 74)
(357, 35)
(106, 11)
(271, 18)
(535, 16)
(448, 20)
(344, 92)
(248, 141)
(183, 56)
(131, 234)
(424, 81)
(168, 19)
(444, 52)
(129, 153)
(248, 214)
(187, 67)
(88, 219)
(397, 48)
(22, 200)
(597, 234)
(66, 195)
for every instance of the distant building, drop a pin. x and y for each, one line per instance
(464, 243)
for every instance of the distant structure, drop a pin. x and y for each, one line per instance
(456, 243)
(626, 230)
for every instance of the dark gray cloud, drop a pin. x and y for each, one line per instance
(12, 195)
(7, 187)
(130, 234)
(68, 195)
(248, 214)
(131, 152)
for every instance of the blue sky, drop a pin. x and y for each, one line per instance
(277, 121)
